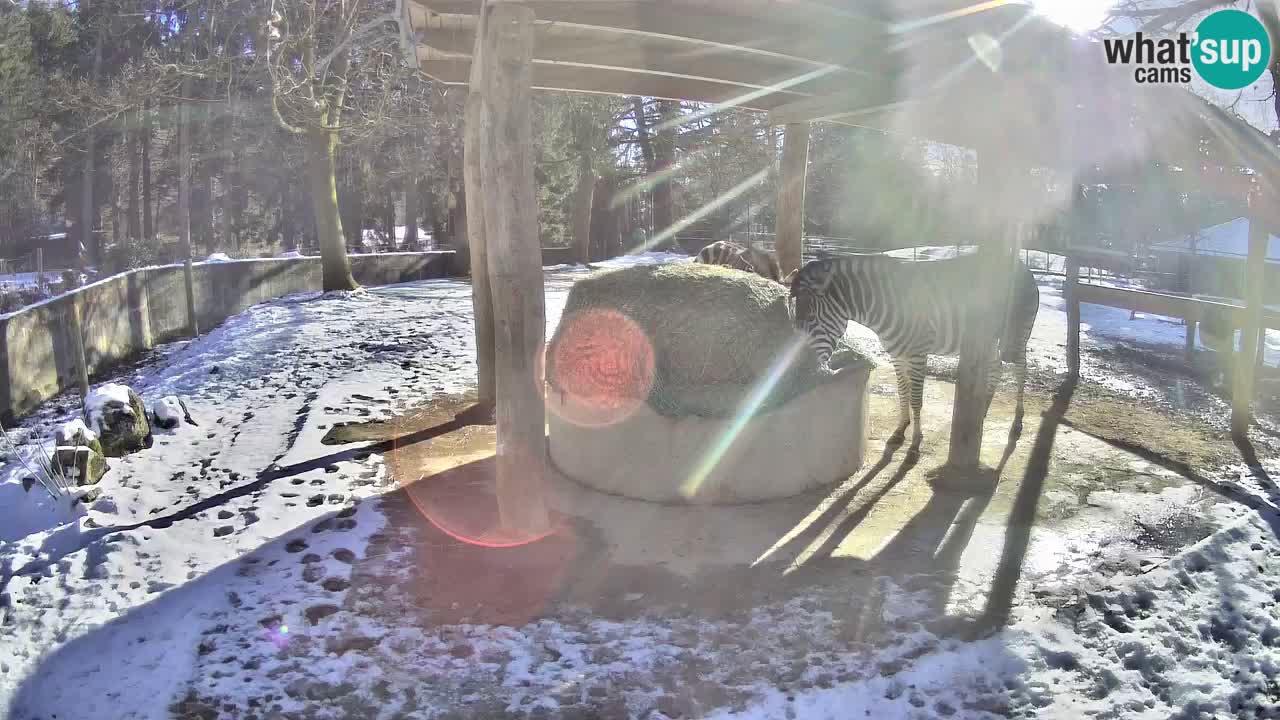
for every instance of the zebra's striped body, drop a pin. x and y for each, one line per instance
(917, 309)
(732, 255)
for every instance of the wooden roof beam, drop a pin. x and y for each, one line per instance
(620, 51)
(797, 31)
(606, 81)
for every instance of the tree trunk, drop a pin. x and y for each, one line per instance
(789, 229)
(323, 174)
(351, 204)
(410, 213)
(389, 219)
(664, 150)
(288, 229)
(134, 222)
(202, 235)
(87, 205)
(148, 222)
(477, 237)
(582, 198)
(229, 180)
(184, 204)
(514, 261)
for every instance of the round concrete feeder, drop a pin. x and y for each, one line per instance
(816, 438)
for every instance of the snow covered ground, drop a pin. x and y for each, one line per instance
(207, 578)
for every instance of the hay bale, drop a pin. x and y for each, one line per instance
(687, 338)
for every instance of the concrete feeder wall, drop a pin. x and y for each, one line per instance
(815, 439)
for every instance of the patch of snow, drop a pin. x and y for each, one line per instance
(28, 511)
(218, 257)
(291, 254)
(71, 428)
(1228, 239)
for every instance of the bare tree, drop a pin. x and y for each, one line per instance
(331, 74)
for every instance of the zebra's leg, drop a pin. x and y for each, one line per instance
(1020, 376)
(994, 370)
(902, 366)
(919, 364)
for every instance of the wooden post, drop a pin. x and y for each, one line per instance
(789, 227)
(477, 233)
(1072, 272)
(40, 269)
(979, 331)
(1246, 359)
(184, 204)
(502, 144)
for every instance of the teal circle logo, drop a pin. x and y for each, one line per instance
(1231, 49)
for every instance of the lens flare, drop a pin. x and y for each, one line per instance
(602, 368)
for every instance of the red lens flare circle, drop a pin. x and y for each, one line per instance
(602, 368)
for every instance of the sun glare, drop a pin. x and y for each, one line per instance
(1078, 15)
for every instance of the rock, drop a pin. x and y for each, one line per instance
(28, 482)
(83, 465)
(117, 415)
(167, 412)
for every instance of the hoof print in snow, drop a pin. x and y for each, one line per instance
(311, 558)
(27, 483)
(225, 514)
(316, 613)
(117, 415)
(347, 512)
(462, 651)
(346, 524)
(344, 555)
(312, 573)
(335, 584)
(331, 468)
(315, 500)
(296, 546)
(336, 498)
(223, 530)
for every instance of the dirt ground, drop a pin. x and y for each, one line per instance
(1077, 500)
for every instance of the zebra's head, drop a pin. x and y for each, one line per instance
(815, 312)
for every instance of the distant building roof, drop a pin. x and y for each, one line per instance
(1229, 239)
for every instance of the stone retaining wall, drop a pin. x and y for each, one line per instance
(130, 313)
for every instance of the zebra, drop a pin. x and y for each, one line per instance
(733, 255)
(917, 309)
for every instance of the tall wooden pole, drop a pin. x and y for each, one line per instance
(1246, 359)
(502, 139)
(1073, 316)
(789, 227)
(476, 232)
(977, 340)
